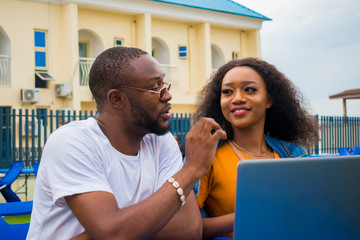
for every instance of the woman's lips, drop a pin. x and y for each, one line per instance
(239, 111)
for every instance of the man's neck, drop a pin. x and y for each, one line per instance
(121, 137)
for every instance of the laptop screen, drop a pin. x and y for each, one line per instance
(298, 198)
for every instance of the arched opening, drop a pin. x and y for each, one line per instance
(90, 46)
(5, 53)
(160, 51)
(217, 57)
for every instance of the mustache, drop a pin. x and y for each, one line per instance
(166, 108)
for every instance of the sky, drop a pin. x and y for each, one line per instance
(316, 44)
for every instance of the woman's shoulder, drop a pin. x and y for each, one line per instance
(223, 150)
(285, 148)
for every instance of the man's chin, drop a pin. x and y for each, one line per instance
(159, 127)
(162, 131)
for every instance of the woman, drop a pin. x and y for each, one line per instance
(263, 116)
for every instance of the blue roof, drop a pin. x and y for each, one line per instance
(226, 6)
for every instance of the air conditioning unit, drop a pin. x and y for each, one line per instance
(29, 127)
(30, 95)
(63, 90)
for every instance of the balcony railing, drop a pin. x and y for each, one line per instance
(84, 69)
(172, 75)
(4, 71)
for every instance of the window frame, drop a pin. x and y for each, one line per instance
(41, 49)
(183, 49)
(119, 39)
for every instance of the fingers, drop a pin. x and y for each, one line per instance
(209, 127)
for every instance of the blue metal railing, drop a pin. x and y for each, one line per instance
(24, 132)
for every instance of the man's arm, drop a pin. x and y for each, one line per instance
(99, 214)
(186, 223)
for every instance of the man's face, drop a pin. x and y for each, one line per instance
(147, 110)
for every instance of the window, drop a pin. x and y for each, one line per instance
(41, 59)
(235, 55)
(40, 49)
(118, 42)
(183, 51)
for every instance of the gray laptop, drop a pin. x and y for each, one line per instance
(298, 198)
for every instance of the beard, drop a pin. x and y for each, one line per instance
(142, 119)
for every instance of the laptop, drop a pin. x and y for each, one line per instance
(298, 198)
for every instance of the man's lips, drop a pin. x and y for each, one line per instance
(166, 112)
(166, 108)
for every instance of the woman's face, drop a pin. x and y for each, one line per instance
(244, 98)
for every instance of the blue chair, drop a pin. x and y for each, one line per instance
(8, 179)
(355, 150)
(14, 231)
(344, 151)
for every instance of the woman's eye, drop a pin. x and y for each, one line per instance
(250, 89)
(226, 91)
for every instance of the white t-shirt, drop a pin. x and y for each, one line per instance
(78, 158)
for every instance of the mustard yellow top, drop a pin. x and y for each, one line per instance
(218, 185)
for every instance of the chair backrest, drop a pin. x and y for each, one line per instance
(344, 151)
(12, 174)
(8, 179)
(355, 150)
(14, 231)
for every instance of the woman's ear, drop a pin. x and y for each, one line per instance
(269, 102)
(116, 98)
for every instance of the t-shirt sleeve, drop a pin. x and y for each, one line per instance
(170, 158)
(72, 164)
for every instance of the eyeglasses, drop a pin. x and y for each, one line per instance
(165, 87)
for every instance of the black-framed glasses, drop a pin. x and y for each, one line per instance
(165, 87)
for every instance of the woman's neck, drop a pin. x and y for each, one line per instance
(250, 140)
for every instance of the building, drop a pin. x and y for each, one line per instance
(47, 47)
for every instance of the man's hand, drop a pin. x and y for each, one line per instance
(200, 144)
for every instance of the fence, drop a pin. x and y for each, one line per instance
(336, 132)
(24, 133)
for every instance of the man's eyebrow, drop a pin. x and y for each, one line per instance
(156, 78)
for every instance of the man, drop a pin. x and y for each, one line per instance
(119, 176)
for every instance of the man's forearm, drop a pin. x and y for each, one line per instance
(186, 223)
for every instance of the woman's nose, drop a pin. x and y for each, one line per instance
(239, 97)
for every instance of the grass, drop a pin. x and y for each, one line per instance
(17, 219)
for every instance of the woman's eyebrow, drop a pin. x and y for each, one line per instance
(242, 83)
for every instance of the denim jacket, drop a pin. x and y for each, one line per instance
(286, 149)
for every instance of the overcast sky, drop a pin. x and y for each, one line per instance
(316, 43)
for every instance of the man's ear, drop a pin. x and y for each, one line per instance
(116, 98)
(269, 102)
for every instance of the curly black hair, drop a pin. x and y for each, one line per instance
(287, 119)
(111, 68)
